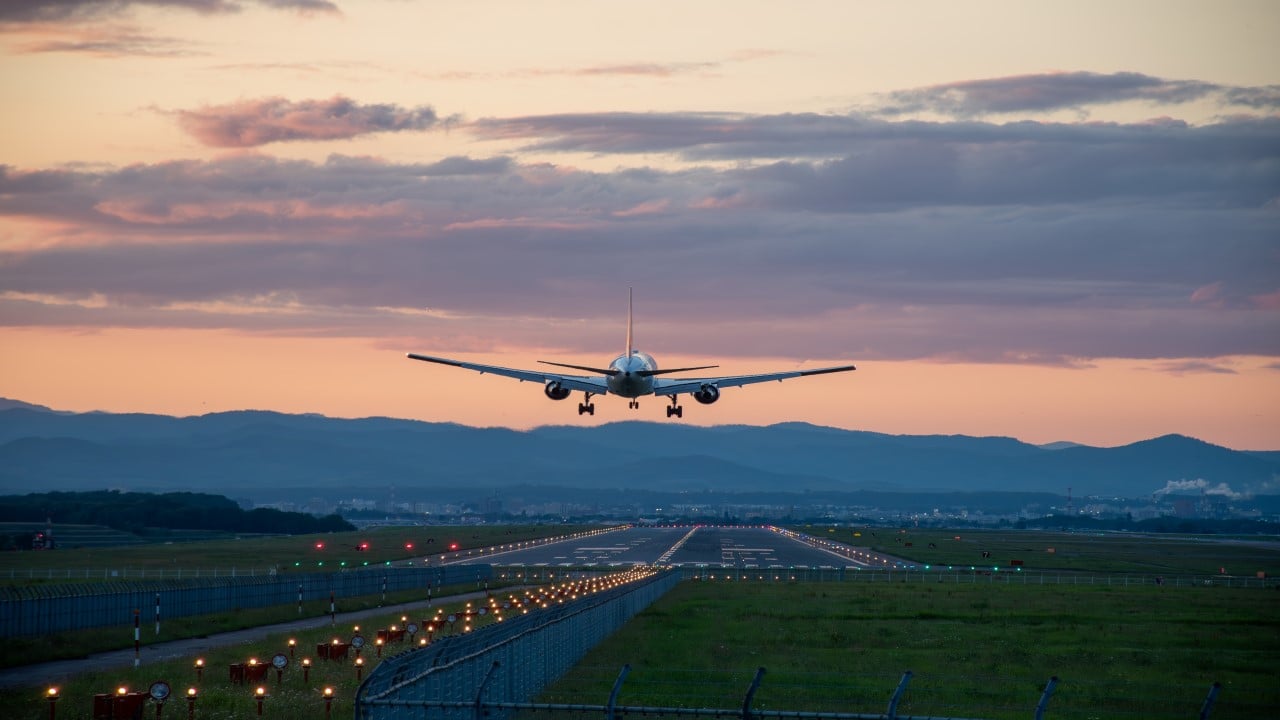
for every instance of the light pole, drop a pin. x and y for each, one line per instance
(52, 694)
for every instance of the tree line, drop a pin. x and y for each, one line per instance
(135, 512)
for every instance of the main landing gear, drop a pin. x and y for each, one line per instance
(587, 407)
(675, 408)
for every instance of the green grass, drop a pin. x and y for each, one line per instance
(975, 650)
(297, 553)
(1107, 552)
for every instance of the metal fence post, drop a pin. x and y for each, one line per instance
(613, 694)
(1044, 697)
(1207, 707)
(892, 712)
(751, 693)
(480, 692)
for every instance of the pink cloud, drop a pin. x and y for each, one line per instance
(99, 40)
(135, 211)
(1267, 301)
(73, 11)
(250, 123)
(650, 207)
(719, 203)
(1206, 293)
(520, 222)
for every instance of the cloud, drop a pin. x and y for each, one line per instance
(1047, 92)
(736, 136)
(1207, 293)
(105, 40)
(94, 27)
(642, 69)
(1193, 367)
(809, 235)
(851, 163)
(1267, 301)
(357, 245)
(251, 123)
(46, 11)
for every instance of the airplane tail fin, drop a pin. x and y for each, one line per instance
(629, 305)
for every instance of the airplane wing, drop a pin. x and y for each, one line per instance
(676, 386)
(585, 383)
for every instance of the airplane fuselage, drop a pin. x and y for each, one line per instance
(628, 382)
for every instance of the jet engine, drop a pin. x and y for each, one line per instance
(707, 394)
(555, 391)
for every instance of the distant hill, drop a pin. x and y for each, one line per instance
(42, 449)
(7, 404)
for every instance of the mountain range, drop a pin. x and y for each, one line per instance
(42, 449)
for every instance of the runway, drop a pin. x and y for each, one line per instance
(685, 546)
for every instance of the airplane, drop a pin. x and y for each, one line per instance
(632, 375)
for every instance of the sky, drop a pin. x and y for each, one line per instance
(1050, 221)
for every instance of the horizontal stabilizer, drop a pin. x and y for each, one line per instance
(824, 371)
(651, 373)
(602, 371)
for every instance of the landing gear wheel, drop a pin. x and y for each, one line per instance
(675, 408)
(634, 404)
(587, 409)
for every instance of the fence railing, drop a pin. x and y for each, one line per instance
(532, 651)
(47, 609)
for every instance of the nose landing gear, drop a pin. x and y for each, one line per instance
(634, 404)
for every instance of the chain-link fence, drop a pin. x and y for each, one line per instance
(506, 662)
(47, 609)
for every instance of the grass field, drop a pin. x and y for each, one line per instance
(1105, 552)
(975, 650)
(258, 555)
